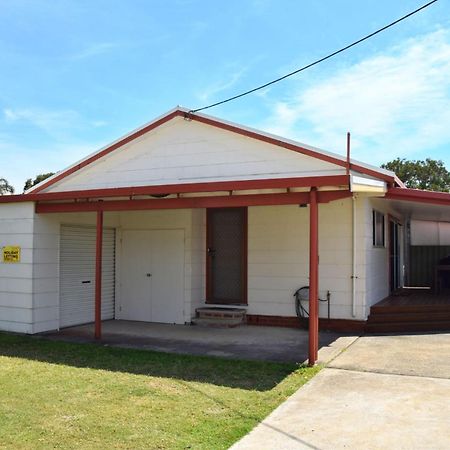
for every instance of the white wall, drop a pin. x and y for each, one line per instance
(278, 244)
(278, 259)
(198, 265)
(377, 259)
(16, 280)
(425, 232)
(182, 151)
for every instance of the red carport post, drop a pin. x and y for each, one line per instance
(98, 275)
(313, 277)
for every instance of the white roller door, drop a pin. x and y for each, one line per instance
(77, 274)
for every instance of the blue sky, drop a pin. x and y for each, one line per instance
(76, 75)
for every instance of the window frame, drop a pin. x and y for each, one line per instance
(377, 218)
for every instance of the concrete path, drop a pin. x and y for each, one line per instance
(382, 392)
(244, 342)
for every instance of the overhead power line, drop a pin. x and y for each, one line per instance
(318, 61)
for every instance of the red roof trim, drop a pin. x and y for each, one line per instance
(217, 124)
(417, 195)
(191, 202)
(275, 183)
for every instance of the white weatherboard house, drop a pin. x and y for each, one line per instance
(189, 211)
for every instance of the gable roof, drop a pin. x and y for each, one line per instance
(301, 148)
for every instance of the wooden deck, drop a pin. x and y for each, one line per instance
(410, 310)
(414, 298)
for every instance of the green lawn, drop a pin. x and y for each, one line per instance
(63, 395)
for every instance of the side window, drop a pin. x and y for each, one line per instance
(378, 228)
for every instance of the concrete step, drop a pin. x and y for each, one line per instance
(217, 323)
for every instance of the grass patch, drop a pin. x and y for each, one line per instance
(65, 395)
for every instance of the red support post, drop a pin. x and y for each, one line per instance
(98, 276)
(313, 278)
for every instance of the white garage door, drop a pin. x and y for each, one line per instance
(77, 275)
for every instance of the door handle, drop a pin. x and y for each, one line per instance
(148, 274)
(211, 251)
(85, 281)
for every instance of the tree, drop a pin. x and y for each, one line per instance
(5, 187)
(431, 174)
(41, 177)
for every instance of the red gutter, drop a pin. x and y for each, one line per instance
(274, 183)
(417, 195)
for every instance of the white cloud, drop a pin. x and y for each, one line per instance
(94, 49)
(395, 103)
(234, 73)
(99, 123)
(223, 85)
(53, 122)
(20, 162)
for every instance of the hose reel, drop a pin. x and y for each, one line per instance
(302, 296)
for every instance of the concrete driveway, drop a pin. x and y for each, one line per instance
(382, 392)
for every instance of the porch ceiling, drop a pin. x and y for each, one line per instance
(419, 210)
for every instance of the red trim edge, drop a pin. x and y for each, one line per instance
(417, 195)
(191, 202)
(272, 183)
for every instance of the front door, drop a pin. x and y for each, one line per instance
(227, 256)
(394, 255)
(152, 276)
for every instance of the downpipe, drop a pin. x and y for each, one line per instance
(354, 277)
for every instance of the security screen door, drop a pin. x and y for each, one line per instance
(227, 256)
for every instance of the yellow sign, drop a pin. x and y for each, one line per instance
(11, 254)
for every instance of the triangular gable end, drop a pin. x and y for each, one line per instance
(179, 149)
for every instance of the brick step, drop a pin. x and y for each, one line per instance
(217, 323)
(220, 313)
(219, 317)
(409, 317)
(407, 326)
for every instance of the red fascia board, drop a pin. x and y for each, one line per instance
(176, 203)
(330, 196)
(190, 202)
(275, 183)
(217, 124)
(417, 195)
